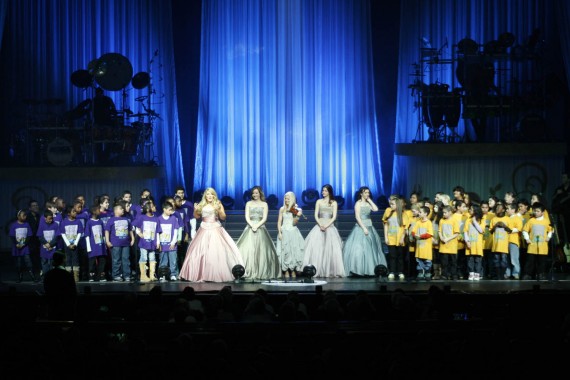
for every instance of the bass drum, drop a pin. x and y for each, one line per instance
(59, 152)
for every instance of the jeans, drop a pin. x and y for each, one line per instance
(121, 262)
(515, 260)
(147, 255)
(170, 259)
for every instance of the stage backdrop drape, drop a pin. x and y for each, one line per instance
(286, 98)
(45, 41)
(441, 25)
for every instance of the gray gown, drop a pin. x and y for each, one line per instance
(258, 250)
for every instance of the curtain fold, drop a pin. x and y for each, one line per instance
(286, 98)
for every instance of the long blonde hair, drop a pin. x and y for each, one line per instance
(292, 201)
(203, 202)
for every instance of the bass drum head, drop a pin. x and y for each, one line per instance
(59, 152)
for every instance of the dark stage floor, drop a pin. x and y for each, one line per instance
(559, 282)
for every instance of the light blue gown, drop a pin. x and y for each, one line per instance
(291, 247)
(362, 253)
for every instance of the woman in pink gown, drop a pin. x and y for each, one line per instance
(212, 253)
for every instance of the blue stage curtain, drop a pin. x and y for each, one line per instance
(443, 24)
(286, 98)
(48, 40)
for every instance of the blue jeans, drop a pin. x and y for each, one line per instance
(121, 262)
(515, 267)
(424, 264)
(147, 255)
(170, 259)
(46, 265)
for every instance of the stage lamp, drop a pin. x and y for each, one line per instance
(309, 272)
(238, 271)
(380, 271)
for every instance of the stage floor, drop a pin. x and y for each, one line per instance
(559, 282)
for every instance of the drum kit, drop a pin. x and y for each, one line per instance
(476, 67)
(52, 137)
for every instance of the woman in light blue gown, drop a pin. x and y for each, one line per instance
(362, 250)
(255, 244)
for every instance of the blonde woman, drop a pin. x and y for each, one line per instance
(212, 253)
(255, 244)
(290, 241)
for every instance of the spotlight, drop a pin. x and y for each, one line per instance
(380, 271)
(238, 271)
(309, 272)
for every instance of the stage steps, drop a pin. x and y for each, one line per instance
(235, 223)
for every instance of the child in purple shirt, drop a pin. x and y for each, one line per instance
(95, 245)
(71, 231)
(48, 236)
(119, 238)
(148, 230)
(169, 227)
(20, 233)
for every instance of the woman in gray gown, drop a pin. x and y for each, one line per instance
(255, 244)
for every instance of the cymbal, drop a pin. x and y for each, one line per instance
(138, 115)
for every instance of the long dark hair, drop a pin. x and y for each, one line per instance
(331, 193)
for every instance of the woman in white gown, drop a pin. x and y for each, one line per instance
(290, 241)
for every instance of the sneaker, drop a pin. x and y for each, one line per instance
(527, 277)
(127, 279)
(476, 277)
(391, 276)
(173, 278)
(118, 279)
(515, 276)
(421, 276)
(471, 276)
(428, 276)
(162, 279)
(401, 276)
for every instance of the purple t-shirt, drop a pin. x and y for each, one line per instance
(150, 229)
(72, 229)
(95, 238)
(47, 233)
(83, 217)
(119, 228)
(169, 230)
(187, 209)
(104, 216)
(21, 232)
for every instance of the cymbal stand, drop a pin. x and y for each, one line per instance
(417, 95)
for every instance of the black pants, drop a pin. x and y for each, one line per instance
(396, 255)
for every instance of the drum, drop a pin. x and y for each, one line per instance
(129, 138)
(59, 152)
